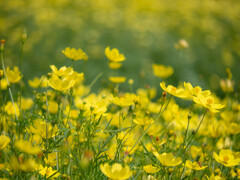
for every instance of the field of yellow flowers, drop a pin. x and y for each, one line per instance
(63, 130)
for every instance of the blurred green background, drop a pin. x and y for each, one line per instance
(145, 31)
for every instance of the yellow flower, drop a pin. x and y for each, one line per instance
(26, 103)
(162, 71)
(207, 101)
(41, 129)
(126, 100)
(38, 82)
(167, 159)
(181, 44)
(143, 121)
(63, 71)
(173, 90)
(117, 79)
(4, 141)
(195, 151)
(150, 169)
(12, 109)
(22, 164)
(116, 171)
(51, 160)
(194, 91)
(113, 55)
(14, 75)
(25, 146)
(74, 54)
(48, 172)
(52, 107)
(114, 65)
(227, 158)
(60, 84)
(194, 165)
(3, 84)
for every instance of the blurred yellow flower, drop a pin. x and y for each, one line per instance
(3, 84)
(167, 159)
(63, 71)
(116, 171)
(150, 169)
(117, 79)
(12, 109)
(26, 103)
(143, 121)
(162, 71)
(4, 141)
(114, 55)
(227, 158)
(114, 65)
(60, 84)
(38, 82)
(27, 147)
(22, 164)
(75, 54)
(52, 106)
(13, 76)
(194, 165)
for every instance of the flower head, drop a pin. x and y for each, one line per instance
(195, 165)
(150, 169)
(60, 84)
(4, 141)
(114, 55)
(167, 159)
(162, 71)
(75, 54)
(227, 158)
(14, 75)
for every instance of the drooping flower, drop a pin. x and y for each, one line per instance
(116, 171)
(162, 71)
(114, 55)
(75, 54)
(227, 158)
(167, 159)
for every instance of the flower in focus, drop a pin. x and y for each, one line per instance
(114, 55)
(13, 76)
(116, 171)
(173, 90)
(207, 101)
(150, 169)
(194, 165)
(162, 71)
(75, 54)
(4, 141)
(167, 159)
(227, 158)
(117, 79)
(60, 84)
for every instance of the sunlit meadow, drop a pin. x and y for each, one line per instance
(99, 89)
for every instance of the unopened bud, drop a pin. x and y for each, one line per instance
(1, 73)
(2, 44)
(24, 36)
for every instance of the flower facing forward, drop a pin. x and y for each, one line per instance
(227, 158)
(167, 159)
(114, 55)
(60, 84)
(75, 54)
(116, 171)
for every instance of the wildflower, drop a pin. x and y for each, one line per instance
(12, 109)
(194, 91)
(195, 151)
(173, 90)
(41, 128)
(22, 164)
(116, 171)
(181, 44)
(38, 82)
(114, 65)
(75, 54)
(51, 160)
(26, 103)
(25, 146)
(52, 107)
(48, 172)
(194, 165)
(150, 169)
(127, 100)
(117, 79)
(60, 84)
(4, 141)
(13, 76)
(143, 121)
(167, 159)
(208, 102)
(113, 55)
(3, 84)
(227, 158)
(162, 71)
(63, 71)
